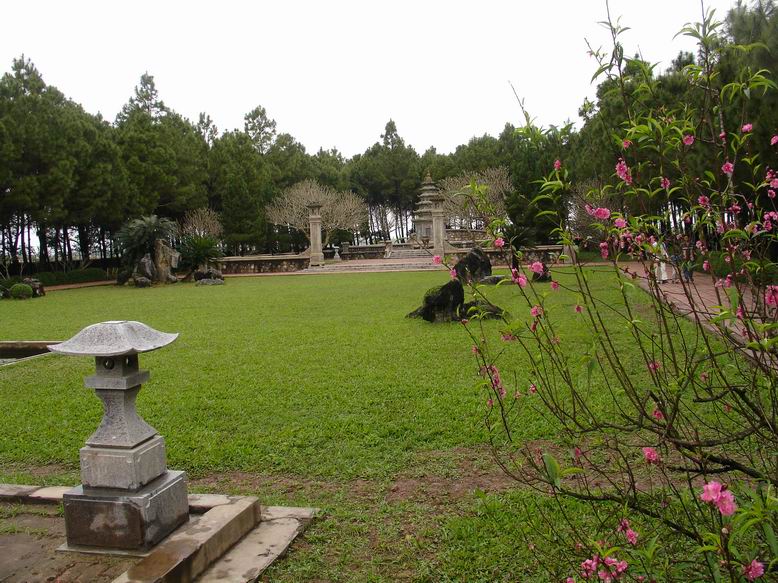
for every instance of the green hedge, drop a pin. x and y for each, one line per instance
(48, 278)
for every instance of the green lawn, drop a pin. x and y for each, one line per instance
(310, 390)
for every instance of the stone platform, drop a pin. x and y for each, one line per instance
(231, 539)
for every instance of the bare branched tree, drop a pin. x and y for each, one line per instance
(339, 210)
(202, 222)
(461, 210)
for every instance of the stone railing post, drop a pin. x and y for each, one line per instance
(314, 222)
(438, 225)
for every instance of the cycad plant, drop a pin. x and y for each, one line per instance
(137, 237)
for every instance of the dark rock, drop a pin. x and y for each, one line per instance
(442, 304)
(142, 281)
(542, 277)
(474, 266)
(484, 309)
(209, 273)
(146, 268)
(210, 281)
(36, 285)
(493, 279)
(123, 277)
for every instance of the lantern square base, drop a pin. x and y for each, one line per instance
(125, 469)
(116, 519)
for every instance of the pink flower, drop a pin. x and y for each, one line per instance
(774, 140)
(578, 309)
(623, 172)
(723, 136)
(508, 337)
(626, 144)
(620, 223)
(602, 213)
(555, 285)
(716, 494)
(474, 349)
(651, 455)
(557, 165)
(537, 267)
(489, 402)
(688, 140)
(728, 168)
(664, 182)
(499, 242)
(704, 201)
(706, 265)
(532, 388)
(604, 249)
(752, 571)
(569, 580)
(654, 366)
(632, 537)
(726, 503)
(589, 567)
(657, 414)
(437, 260)
(771, 295)
(536, 311)
(747, 128)
(771, 193)
(453, 273)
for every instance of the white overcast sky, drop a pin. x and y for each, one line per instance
(332, 72)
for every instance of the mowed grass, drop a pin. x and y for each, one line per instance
(317, 384)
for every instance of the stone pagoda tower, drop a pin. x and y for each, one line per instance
(422, 219)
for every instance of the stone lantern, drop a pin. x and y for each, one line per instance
(128, 499)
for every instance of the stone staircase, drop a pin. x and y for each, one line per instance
(410, 264)
(411, 254)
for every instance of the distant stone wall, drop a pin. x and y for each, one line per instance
(545, 253)
(353, 252)
(462, 235)
(263, 264)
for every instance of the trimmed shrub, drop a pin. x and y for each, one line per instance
(21, 291)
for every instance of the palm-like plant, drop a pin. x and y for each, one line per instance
(137, 237)
(197, 251)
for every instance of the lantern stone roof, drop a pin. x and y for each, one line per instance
(114, 338)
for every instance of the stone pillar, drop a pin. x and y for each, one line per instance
(128, 499)
(438, 226)
(314, 221)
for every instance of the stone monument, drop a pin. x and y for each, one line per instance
(128, 499)
(314, 221)
(166, 259)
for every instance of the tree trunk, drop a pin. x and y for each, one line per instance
(83, 242)
(43, 243)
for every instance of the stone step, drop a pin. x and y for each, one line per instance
(410, 253)
(373, 268)
(247, 560)
(194, 547)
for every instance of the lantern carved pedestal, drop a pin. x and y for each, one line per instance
(128, 499)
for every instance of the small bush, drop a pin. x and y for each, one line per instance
(21, 291)
(763, 272)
